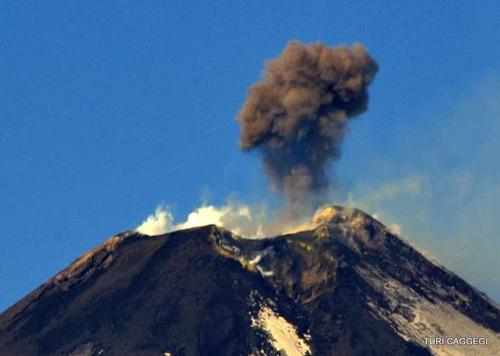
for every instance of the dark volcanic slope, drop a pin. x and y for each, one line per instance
(137, 295)
(348, 287)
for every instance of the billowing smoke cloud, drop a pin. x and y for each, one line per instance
(297, 115)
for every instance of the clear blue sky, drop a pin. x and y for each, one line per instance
(109, 108)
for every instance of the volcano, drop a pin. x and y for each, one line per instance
(347, 287)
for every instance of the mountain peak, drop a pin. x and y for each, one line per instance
(347, 286)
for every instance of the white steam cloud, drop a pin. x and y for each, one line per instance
(257, 221)
(158, 223)
(241, 219)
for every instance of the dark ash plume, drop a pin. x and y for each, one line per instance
(297, 114)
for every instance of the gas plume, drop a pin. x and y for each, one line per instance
(241, 219)
(253, 222)
(297, 115)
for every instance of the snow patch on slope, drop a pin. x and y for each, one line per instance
(283, 335)
(416, 318)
